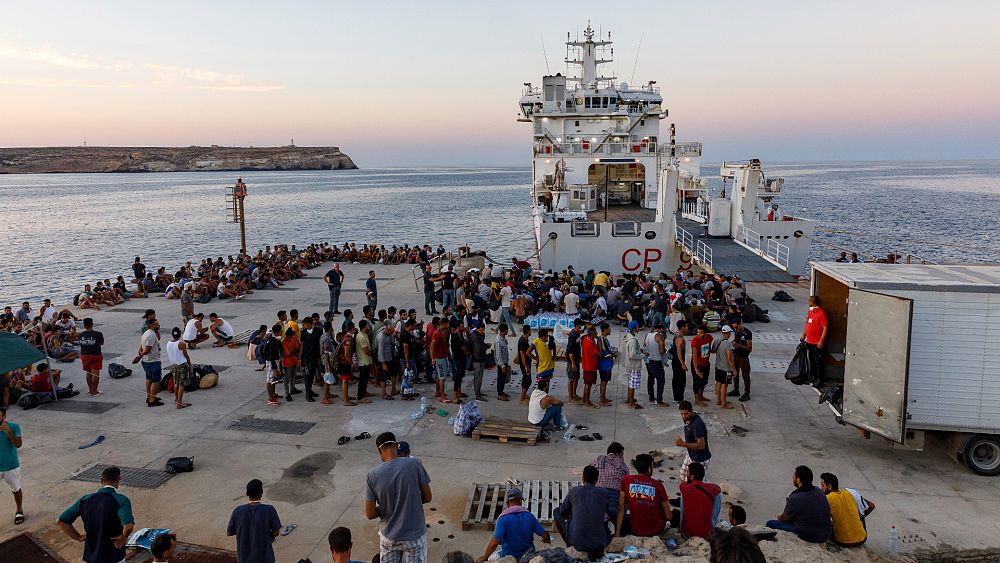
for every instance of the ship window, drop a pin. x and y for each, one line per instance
(576, 194)
(549, 92)
(586, 102)
(584, 229)
(577, 123)
(604, 102)
(560, 92)
(625, 229)
(642, 122)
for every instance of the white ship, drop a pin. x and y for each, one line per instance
(609, 193)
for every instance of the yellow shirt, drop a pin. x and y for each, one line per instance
(847, 528)
(545, 361)
(601, 279)
(294, 326)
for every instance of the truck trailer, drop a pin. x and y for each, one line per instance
(915, 350)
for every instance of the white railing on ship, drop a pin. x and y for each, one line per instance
(704, 254)
(685, 238)
(768, 248)
(614, 149)
(697, 210)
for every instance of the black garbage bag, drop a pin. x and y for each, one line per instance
(782, 295)
(798, 368)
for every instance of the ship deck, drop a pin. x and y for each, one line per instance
(317, 484)
(730, 258)
(630, 212)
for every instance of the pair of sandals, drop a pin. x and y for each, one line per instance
(345, 439)
(590, 437)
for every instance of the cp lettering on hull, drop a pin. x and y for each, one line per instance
(635, 259)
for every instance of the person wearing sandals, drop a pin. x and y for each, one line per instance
(633, 362)
(10, 465)
(345, 363)
(182, 369)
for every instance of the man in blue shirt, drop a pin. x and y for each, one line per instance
(371, 290)
(107, 520)
(582, 518)
(255, 526)
(10, 465)
(515, 529)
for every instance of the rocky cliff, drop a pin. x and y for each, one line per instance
(170, 159)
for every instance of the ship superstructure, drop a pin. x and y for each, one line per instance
(606, 184)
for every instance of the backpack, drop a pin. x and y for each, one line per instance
(179, 465)
(781, 295)
(118, 371)
(76, 300)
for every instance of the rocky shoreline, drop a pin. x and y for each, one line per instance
(42, 160)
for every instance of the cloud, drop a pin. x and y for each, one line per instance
(142, 75)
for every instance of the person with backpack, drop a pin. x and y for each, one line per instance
(271, 353)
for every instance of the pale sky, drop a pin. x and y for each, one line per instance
(412, 83)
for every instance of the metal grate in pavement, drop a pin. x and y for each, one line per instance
(272, 425)
(85, 407)
(244, 337)
(282, 288)
(27, 548)
(131, 476)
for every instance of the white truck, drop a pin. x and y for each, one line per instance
(917, 351)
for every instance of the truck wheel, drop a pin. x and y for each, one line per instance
(982, 454)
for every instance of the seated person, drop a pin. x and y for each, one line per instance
(40, 381)
(13, 385)
(736, 545)
(515, 529)
(66, 327)
(582, 517)
(848, 529)
(700, 503)
(646, 501)
(737, 516)
(86, 299)
(194, 333)
(221, 330)
(807, 512)
(544, 408)
(59, 350)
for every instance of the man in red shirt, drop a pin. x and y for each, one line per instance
(588, 360)
(700, 503)
(439, 355)
(814, 335)
(701, 358)
(40, 382)
(646, 500)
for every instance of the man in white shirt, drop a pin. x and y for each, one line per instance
(557, 297)
(506, 296)
(221, 330)
(572, 302)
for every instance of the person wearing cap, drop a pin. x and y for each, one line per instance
(187, 302)
(724, 362)
(515, 530)
(633, 362)
(395, 493)
(403, 449)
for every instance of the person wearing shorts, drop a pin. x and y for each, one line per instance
(345, 364)
(149, 354)
(589, 358)
(90, 342)
(10, 465)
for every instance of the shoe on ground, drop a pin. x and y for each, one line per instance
(296, 391)
(288, 397)
(745, 397)
(310, 398)
(733, 393)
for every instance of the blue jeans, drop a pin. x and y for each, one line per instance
(448, 298)
(779, 525)
(505, 317)
(334, 299)
(429, 306)
(553, 414)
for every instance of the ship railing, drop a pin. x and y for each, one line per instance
(439, 260)
(695, 210)
(703, 254)
(684, 238)
(596, 148)
(698, 250)
(768, 248)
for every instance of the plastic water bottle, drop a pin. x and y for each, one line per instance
(894, 541)
(416, 415)
(632, 552)
(568, 436)
(423, 404)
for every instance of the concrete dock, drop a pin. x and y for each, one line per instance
(317, 485)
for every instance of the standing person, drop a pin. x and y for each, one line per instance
(573, 351)
(363, 350)
(589, 358)
(334, 279)
(633, 362)
(107, 520)
(695, 439)
(645, 499)
(724, 366)
(345, 364)
(516, 528)
(271, 354)
(605, 362)
(543, 356)
(742, 347)
(182, 369)
(439, 355)
(312, 336)
(149, 354)
(10, 464)
(388, 361)
(655, 347)
(814, 335)
(678, 362)
(371, 290)
(187, 302)
(290, 349)
(430, 305)
(524, 361)
(506, 297)
(807, 511)
(848, 526)
(90, 342)
(478, 347)
(502, 355)
(255, 526)
(459, 354)
(447, 278)
(395, 493)
(328, 350)
(701, 358)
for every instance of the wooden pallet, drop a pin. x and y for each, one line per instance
(486, 502)
(507, 431)
(542, 497)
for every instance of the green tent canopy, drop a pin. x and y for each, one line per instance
(15, 352)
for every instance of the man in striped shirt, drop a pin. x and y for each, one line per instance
(612, 469)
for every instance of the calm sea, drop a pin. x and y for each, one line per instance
(60, 231)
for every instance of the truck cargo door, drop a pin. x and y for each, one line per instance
(876, 363)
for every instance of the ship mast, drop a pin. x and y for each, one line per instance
(586, 55)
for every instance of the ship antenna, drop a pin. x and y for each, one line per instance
(544, 54)
(636, 57)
